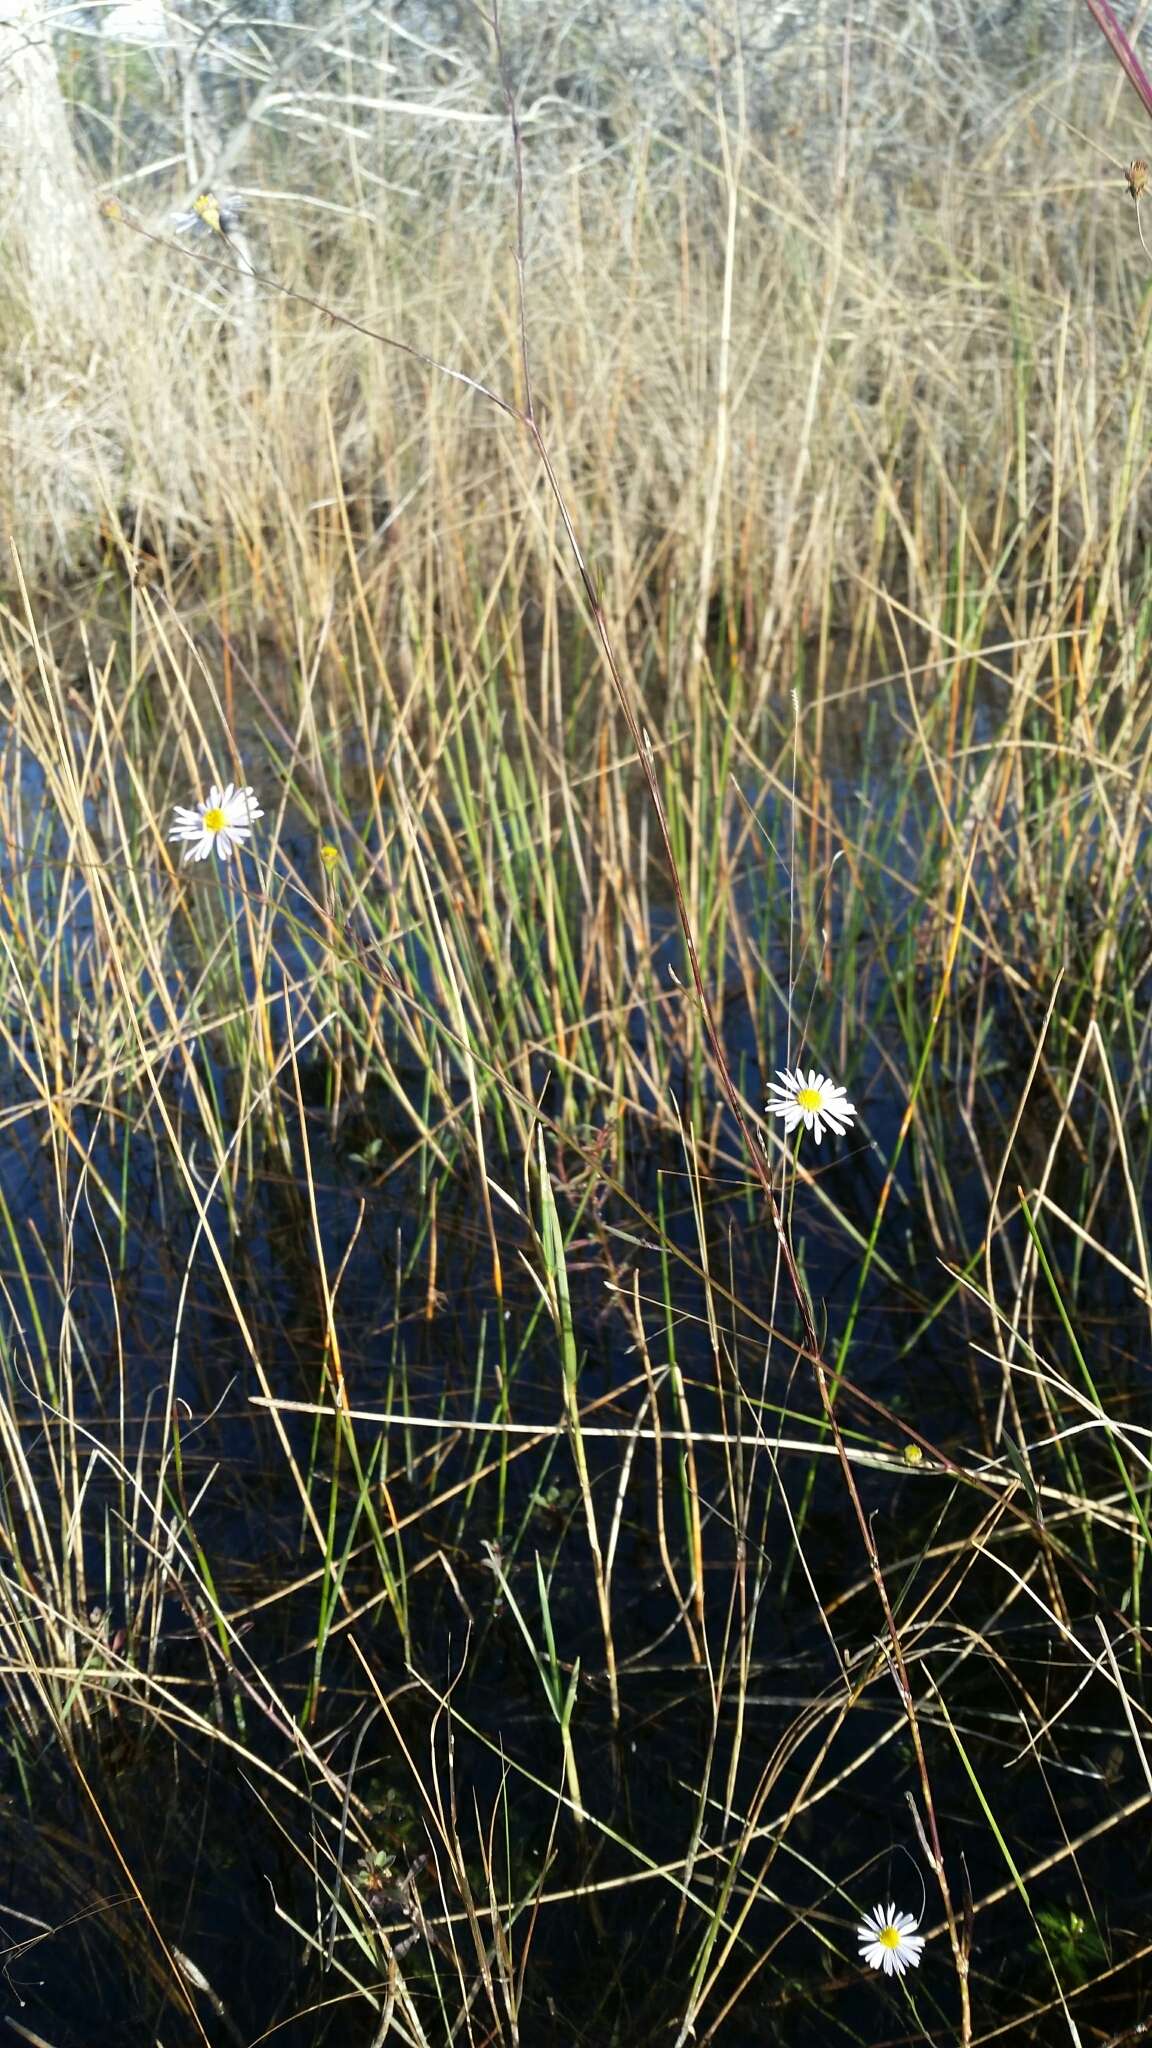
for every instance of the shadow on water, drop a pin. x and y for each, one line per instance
(186, 1833)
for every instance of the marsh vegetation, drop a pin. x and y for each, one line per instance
(500, 1539)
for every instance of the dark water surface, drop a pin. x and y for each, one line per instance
(148, 1841)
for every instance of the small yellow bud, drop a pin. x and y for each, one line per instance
(206, 206)
(329, 854)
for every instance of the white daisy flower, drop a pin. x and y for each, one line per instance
(224, 819)
(210, 213)
(813, 1102)
(889, 1941)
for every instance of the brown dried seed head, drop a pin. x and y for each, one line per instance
(1137, 175)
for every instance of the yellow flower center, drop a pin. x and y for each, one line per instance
(890, 1937)
(809, 1098)
(214, 820)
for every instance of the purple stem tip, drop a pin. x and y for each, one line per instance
(1121, 48)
